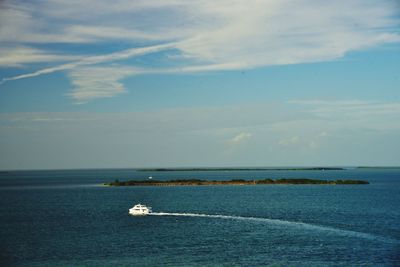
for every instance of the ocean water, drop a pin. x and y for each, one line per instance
(65, 218)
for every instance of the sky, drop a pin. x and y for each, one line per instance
(177, 83)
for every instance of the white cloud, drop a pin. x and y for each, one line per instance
(289, 141)
(240, 138)
(323, 134)
(94, 60)
(97, 82)
(224, 136)
(94, 33)
(206, 35)
(260, 33)
(300, 143)
(18, 56)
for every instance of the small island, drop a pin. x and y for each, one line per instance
(195, 182)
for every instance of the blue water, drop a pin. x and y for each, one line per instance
(64, 218)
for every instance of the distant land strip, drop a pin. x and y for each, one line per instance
(243, 169)
(378, 167)
(234, 182)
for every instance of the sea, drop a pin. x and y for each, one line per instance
(68, 218)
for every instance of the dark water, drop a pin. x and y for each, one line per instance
(63, 218)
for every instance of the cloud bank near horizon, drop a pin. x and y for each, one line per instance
(182, 36)
(299, 132)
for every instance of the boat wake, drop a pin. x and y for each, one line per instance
(337, 231)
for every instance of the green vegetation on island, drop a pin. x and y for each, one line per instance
(233, 182)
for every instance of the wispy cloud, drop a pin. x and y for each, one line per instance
(19, 56)
(97, 82)
(306, 141)
(289, 141)
(240, 138)
(236, 135)
(205, 35)
(93, 60)
(328, 118)
(231, 120)
(323, 134)
(349, 108)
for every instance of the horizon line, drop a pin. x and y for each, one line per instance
(204, 167)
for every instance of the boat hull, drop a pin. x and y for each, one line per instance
(138, 213)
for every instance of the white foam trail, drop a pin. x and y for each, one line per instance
(283, 222)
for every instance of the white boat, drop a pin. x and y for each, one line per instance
(140, 209)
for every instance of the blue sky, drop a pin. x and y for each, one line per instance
(199, 83)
